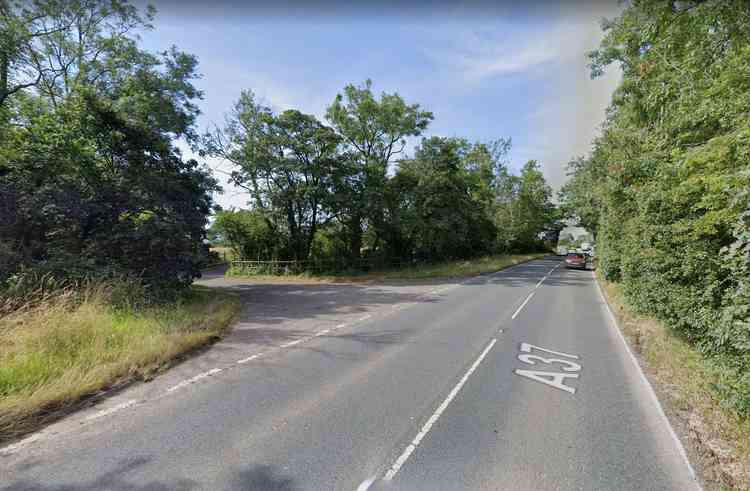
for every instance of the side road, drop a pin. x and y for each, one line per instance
(274, 317)
(513, 380)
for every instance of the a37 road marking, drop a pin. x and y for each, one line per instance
(553, 379)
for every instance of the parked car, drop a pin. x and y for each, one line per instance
(575, 260)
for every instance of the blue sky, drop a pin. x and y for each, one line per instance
(485, 72)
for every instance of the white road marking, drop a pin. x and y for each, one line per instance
(426, 428)
(649, 387)
(526, 348)
(111, 410)
(250, 358)
(365, 485)
(553, 379)
(323, 332)
(191, 380)
(340, 325)
(522, 305)
(9, 449)
(365, 317)
(292, 343)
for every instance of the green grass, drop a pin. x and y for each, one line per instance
(56, 353)
(686, 383)
(448, 269)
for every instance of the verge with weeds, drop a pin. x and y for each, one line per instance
(447, 269)
(689, 383)
(73, 344)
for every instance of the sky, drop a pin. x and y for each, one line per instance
(486, 70)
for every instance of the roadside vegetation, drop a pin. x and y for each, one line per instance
(339, 195)
(666, 192)
(102, 220)
(71, 344)
(686, 381)
(666, 188)
(446, 269)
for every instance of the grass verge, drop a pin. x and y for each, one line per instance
(447, 269)
(55, 354)
(685, 381)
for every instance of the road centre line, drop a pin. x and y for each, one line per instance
(522, 305)
(435, 416)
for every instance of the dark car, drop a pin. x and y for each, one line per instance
(575, 260)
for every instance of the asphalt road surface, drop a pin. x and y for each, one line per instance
(515, 380)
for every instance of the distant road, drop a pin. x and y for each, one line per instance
(514, 380)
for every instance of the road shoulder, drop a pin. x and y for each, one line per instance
(716, 440)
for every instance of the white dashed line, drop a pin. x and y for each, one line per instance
(9, 449)
(111, 410)
(292, 343)
(340, 325)
(249, 358)
(323, 332)
(365, 317)
(426, 428)
(191, 380)
(522, 305)
(365, 485)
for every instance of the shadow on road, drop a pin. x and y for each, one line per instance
(128, 476)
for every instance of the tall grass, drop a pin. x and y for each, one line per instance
(63, 347)
(446, 269)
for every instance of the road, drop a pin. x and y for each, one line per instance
(515, 380)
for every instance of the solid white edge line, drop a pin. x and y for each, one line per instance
(649, 387)
(426, 427)
(522, 305)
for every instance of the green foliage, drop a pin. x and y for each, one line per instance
(665, 189)
(91, 183)
(524, 210)
(374, 132)
(438, 212)
(330, 195)
(248, 233)
(286, 161)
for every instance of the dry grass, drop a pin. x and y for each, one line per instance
(58, 352)
(685, 379)
(448, 269)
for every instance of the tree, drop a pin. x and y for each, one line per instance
(665, 186)
(439, 214)
(286, 161)
(524, 210)
(91, 182)
(374, 132)
(248, 234)
(578, 195)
